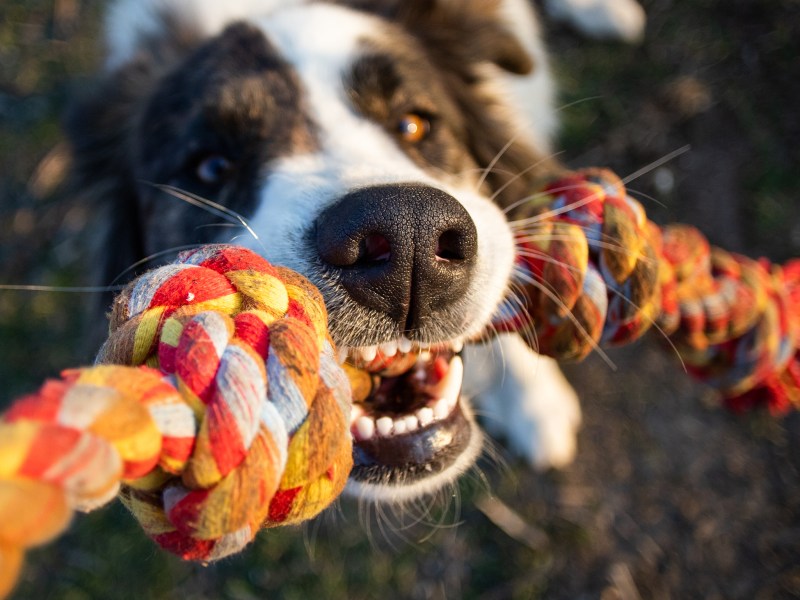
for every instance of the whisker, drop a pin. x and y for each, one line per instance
(514, 296)
(90, 289)
(222, 225)
(500, 190)
(655, 164)
(601, 244)
(576, 102)
(542, 286)
(477, 170)
(385, 526)
(641, 194)
(151, 257)
(209, 205)
(522, 201)
(656, 326)
(549, 259)
(555, 211)
(496, 158)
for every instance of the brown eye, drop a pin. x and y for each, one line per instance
(414, 127)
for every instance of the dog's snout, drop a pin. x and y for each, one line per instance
(406, 250)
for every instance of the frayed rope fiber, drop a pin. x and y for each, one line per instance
(217, 406)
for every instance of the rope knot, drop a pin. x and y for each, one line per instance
(591, 270)
(587, 270)
(236, 418)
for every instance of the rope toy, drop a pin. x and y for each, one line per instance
(217, 406)
(238, 417)
(592, 271)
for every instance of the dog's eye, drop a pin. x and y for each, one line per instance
(414, 127)
(213, 169)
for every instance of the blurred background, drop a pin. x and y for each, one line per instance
(670, 497)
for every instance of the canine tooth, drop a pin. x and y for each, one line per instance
(388, 349)
(458, 346)
(411, 422)
(355, 412)
(341, 354)
(365, 427)
(425, 416)
(400, 426)
(368, 353)
(441, 409)
(450, 385)
(404, 344)
(384, 426)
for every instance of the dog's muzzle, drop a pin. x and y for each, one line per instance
(407, 253)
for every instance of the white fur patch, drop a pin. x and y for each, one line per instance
(524, 397)
(128, 21)
(617, 19)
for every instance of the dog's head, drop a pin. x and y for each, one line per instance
(370, 146)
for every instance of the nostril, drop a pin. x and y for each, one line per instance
(451, 246)
(374, 249)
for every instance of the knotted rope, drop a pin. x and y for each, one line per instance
(592, 271)
(238, 418)
(235, 414)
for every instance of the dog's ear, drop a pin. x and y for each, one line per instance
(473, 31)
(101, 126)
(478, 28)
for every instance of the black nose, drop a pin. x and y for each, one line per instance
(407, 250)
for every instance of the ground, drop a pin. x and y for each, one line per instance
(670, 497)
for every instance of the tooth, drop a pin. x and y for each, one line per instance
(384, 425)
(458, 346)
(341, 354)
(368, 353)
(388, 349)
(450, 385)
(411, 422)
(365, 427)
(355, 412)
(400, 426)
(441, 409)
(404, 344)
(425, 356)
(425, 416)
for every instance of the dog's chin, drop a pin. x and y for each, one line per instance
(412, 431)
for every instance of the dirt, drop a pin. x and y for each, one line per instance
(670, 496)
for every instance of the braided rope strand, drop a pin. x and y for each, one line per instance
(592, 271)
(209, 438)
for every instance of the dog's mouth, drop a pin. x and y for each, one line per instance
(408, 422)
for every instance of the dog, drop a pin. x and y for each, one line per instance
(371, 146)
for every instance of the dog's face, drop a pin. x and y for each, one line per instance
(365, 147)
